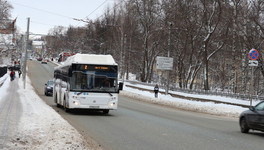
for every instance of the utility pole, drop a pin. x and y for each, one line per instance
(123, 60)
(25, 61)
(168, 72)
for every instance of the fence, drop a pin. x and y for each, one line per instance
(245, 97)
(3, 71)
(219, 93)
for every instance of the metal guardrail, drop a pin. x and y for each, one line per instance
(245, 97)
(2, 82)
(191, 98)
(3, 71)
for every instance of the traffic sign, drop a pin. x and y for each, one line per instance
(252, 63)
(164, 63)
(253, 54)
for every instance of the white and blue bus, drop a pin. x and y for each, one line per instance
(87, 81)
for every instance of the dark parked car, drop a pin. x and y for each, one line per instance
(49, 88)
(252, 118)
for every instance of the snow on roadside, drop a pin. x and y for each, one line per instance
(202, 96)
(3, 89)
(167, 100)
(41, 127)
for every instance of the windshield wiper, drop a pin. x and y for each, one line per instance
(110, 94)
(79, 93)
(107, 92)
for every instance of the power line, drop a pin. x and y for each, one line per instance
(35, 22)
(57, 14)
(42, 10)
(121, 1)
(97, 8)
(82, 20)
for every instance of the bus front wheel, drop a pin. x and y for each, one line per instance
(56, 101)
(106, 111)
(64, 106)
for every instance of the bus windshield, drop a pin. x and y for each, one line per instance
(94, 80)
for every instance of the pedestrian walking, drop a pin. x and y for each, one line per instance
(156, 90)
(19, 73)
(12, 75)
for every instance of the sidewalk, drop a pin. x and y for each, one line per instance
(26, 122)
(10, 110)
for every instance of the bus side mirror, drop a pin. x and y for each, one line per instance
(120, 88)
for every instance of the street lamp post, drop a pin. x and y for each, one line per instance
(25, 61)
(168, 72)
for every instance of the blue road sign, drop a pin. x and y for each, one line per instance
(253, 54)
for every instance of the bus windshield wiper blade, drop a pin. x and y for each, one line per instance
(107, 92)
(79, 93)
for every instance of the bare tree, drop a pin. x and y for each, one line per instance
(56, 39)
(5, 11)
(147, 11)
(209, 40)
(5, 26)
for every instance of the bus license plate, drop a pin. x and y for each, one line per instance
(94, 107)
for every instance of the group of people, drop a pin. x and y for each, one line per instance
(13, 74)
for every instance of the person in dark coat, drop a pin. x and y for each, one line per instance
(19, 73)
(156, 90)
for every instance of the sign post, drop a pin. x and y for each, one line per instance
(253, 56)
(165, 63)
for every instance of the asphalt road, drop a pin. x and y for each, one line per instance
(142, 126)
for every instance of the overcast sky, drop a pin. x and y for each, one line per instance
(45, 14)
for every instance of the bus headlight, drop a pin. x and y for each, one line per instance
(112, 104)
(75, 103)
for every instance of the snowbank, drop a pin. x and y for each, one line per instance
(195, 106)
(41, 127)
